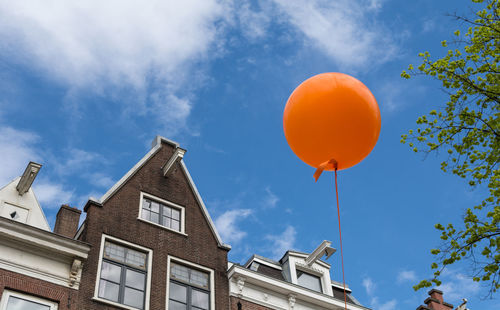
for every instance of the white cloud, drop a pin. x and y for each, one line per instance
(369, 286)
(100, 179)
(389, 305)
(75, 160)
(118, 48)
(282, 242)
(456, 286)
(270, 199)
(342, 29)
(51, 195)
(227, 222)
(18, 149)
(406, 276)
(254, 24)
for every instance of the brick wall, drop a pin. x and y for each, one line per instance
(118, 218)
(39, 288)
(246, 305)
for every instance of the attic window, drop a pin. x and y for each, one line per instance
(309, 281)
(162, 213)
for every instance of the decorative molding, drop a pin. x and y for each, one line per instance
(323, 249)
(308, 268)
(43, 239)
(75, 272)
(240, 282)
(177, 156)
(291, 301)
(28, 177)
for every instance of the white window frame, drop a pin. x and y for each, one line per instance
(7, 293)
(195, 266)
(133, 246)
(323, 277)
(169, 204)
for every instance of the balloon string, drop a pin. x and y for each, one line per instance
(340, 233)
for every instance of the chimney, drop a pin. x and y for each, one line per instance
(435, 301)
(67, 220)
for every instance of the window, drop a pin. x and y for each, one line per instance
(163, 213)
(123, 275)
(189, 289)
(14, 301)
(309, 281)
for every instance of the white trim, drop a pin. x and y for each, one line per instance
(304, 256)
(79, 231)
(156, 145)
(169, 204)
(203, 207)
(178, 155)
(129, 174)
(8, 293)
(263, 262)
(147, 293)
(195, 266)
(43, 239)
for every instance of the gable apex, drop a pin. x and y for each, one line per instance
(158, 142)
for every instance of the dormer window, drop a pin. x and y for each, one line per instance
(309, 281)
(161, 212)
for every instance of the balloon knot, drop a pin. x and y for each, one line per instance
(332, 164)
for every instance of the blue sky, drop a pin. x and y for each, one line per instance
(85, 87)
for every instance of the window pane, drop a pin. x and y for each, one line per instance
(114, 252)
(199, 278)
(146, 204)
(179, 272)
(178, 292)
(155, 207)
(16, 303)
(146, 214)
(199, 299)
(133, 298)
(108, 290)
(167, 222)
(135, 279)
(136, 258)
(167, 211)
(309, 281)
(110, 272)
(175, 225)
(174, 305)
(176, 214)
(155, 217)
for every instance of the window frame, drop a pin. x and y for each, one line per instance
(8, 293)
(168, 204)
(313, 273)
(210, 272)
(149, 262)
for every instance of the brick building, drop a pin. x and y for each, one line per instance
(148, 243)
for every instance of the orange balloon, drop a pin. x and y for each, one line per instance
(331, 116)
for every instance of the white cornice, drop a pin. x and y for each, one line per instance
(42, 239)
(285, 288)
